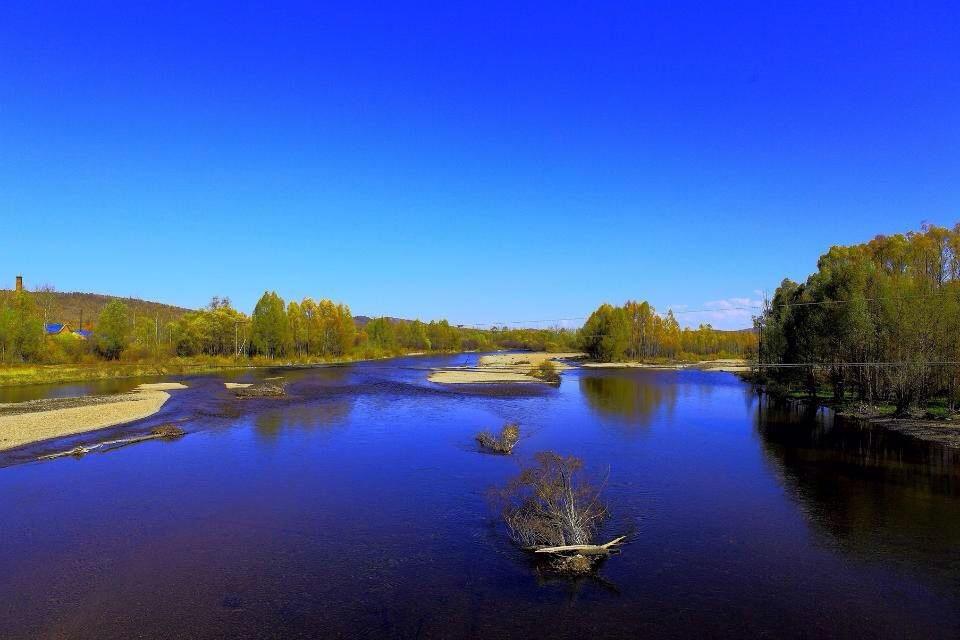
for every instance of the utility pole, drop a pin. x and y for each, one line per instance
(763, 315)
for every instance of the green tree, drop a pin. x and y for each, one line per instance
(113, 329)
(381, 334)
(270, 329)
(605, 335)
(21, 329)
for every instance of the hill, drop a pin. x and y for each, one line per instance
(70, 307)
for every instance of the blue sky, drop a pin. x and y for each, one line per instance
(481, 162)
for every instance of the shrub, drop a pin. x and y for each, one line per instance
(504, 442)
(550, 504)
(546, 371)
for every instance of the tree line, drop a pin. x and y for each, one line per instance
(878, 322)
(296, 331)
(636, 332)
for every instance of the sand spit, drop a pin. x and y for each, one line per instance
(527, 360)
(27, 422)
(730, 365)
(726, 365)
(501, 367)
(237, 385)
(161, 386)
(629, 365)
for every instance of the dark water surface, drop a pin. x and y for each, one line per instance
(358, 508)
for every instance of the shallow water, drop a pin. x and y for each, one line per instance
(358, 508)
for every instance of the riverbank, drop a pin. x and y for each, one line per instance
(931, 423)
(27, 374)
(20, 375)
(23, 423)
(503, 367)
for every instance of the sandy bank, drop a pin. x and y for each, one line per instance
(629, 365)
(726, 365)
(501, 367)
(26, 422)
(477, 376)
(160, 386)
(731, 367)
(527, 360)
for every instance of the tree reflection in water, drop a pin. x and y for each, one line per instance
(316, 415)
(629, 398)
(869, 490)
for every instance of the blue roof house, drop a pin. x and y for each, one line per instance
(56, 328)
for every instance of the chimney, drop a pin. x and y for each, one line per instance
(19, 283)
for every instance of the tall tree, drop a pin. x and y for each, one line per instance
(113, 329)
(270, 329)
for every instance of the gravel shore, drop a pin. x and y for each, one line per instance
(506, 367)
(23, 423)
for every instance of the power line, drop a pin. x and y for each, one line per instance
(482, 325)
(931, 294)
(788, 365)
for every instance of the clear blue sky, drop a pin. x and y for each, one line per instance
(483, 162)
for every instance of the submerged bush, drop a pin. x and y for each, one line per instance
(504, 442)
(167, 431)
(550, 504)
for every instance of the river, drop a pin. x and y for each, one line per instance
(359, 507)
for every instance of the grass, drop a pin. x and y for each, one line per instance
(15, 375)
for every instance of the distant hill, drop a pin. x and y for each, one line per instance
(362, 321)
(69, 307)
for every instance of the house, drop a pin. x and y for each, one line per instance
(56, 328)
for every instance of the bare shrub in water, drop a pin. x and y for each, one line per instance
(504, 442)
(550, 504)
(167, 431)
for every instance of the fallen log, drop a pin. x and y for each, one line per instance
(163, 432)
(583, 549)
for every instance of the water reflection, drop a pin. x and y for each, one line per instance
(73, 389)
(632, 399)
(872, 491)
(316, 415)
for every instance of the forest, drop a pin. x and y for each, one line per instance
(877, 323)
(636, 332)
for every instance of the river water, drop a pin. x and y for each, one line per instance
(358, 507)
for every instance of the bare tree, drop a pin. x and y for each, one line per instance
(46, 297)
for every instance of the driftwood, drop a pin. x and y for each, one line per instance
(166, 432)
(583, 549)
